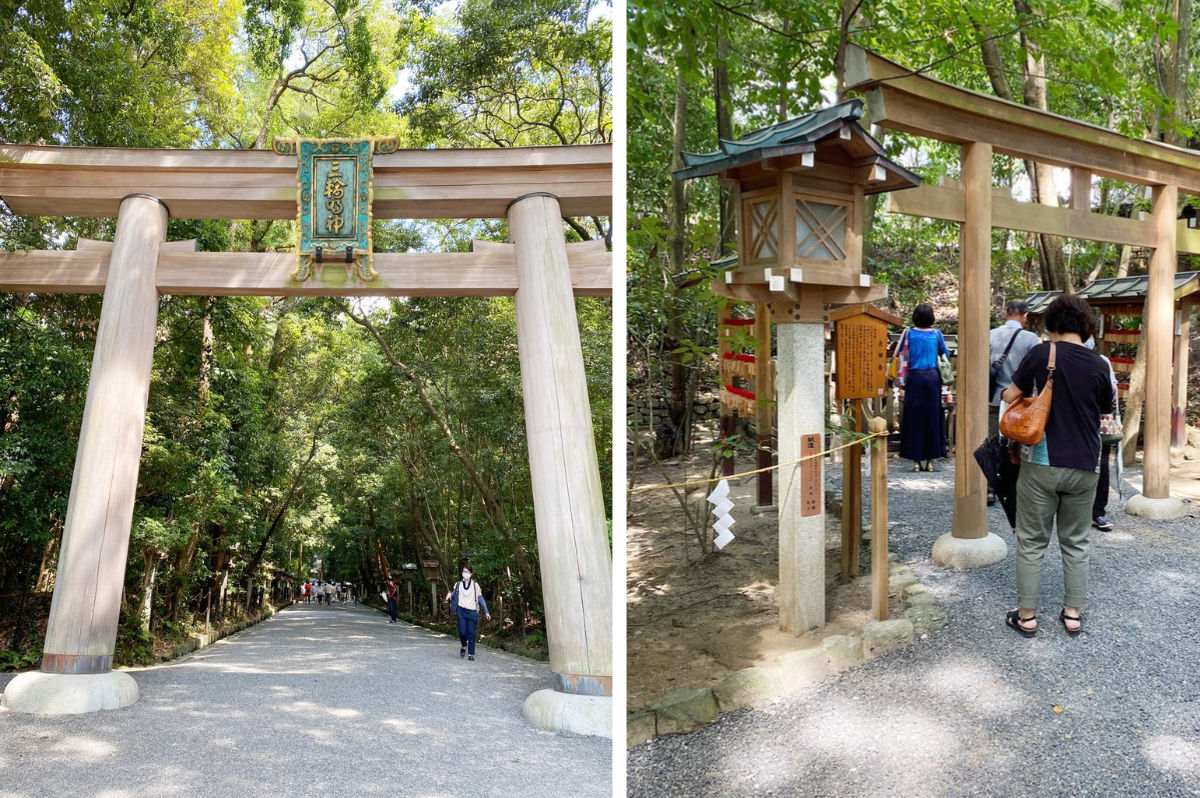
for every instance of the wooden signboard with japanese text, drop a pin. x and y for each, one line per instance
(861, 347)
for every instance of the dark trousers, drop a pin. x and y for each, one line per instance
(468, 622)
(1101, 500)
(392, 608)
(922, 432)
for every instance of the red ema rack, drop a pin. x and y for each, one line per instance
(739, 392)
(740, 356)
(1121, 359)
(737, 322)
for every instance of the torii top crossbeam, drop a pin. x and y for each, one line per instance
(258, 184)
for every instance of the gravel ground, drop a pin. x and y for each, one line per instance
(315, 701)
(975, 709)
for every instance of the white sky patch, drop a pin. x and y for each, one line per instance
(828, 90)
(404, 82)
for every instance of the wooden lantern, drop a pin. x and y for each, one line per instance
(801, 188)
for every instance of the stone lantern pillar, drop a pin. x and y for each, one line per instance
(800, 187)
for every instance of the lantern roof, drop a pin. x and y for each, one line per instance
(835, 129)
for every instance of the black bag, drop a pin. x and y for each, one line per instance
(1001, 465)
(997, 364)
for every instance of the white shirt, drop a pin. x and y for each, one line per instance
(468, 596)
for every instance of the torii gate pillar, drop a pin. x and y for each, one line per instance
(969, 544)
(573, 548)
(1155, 500)
(76, 674)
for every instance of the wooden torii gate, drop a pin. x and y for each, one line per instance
(533, 188)
(906, 101)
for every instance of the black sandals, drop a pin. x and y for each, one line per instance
(1013, 620)
(1063, 618)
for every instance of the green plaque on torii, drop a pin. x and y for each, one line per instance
(333, 201)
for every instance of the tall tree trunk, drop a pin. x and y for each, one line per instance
(45, 575)
(1175, 79)
(182, 565)
(1054, 273)
(1135, 401)
(183, 562)
(672, 437)
(1041, 177)
(151, 560)
(722, 99)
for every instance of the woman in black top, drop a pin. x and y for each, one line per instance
(1058, 474)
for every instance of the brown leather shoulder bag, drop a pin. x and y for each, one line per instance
(1025, 419)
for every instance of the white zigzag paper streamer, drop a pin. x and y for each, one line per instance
(722, 504)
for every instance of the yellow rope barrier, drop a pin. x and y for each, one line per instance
(857, 442)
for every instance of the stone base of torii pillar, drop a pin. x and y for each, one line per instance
(40, 693)
(567, 713)
(1155, 509)
(964, 553)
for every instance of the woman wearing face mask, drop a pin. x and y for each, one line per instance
(467, 598)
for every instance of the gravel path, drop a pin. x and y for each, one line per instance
(975, 709)
(317, 701)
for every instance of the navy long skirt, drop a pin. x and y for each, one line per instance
(922, 433)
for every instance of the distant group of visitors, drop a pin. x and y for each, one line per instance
(316, 591)
(1063, 479)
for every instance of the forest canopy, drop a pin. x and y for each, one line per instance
(700, 70)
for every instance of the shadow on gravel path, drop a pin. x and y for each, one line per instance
(314, 701)
(976, 710)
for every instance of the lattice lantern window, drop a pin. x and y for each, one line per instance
(761, 223)
(821, 228)
(786, 227)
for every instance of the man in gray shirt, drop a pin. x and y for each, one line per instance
(1013, 338)
(1013, 332)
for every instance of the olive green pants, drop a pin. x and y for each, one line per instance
(1048, 496)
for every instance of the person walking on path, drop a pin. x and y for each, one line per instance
(391, 599)
(465, 599)
(328, 594)
(922, 434)
(1058, 477)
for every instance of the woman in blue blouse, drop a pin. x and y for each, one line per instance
(922, 434)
